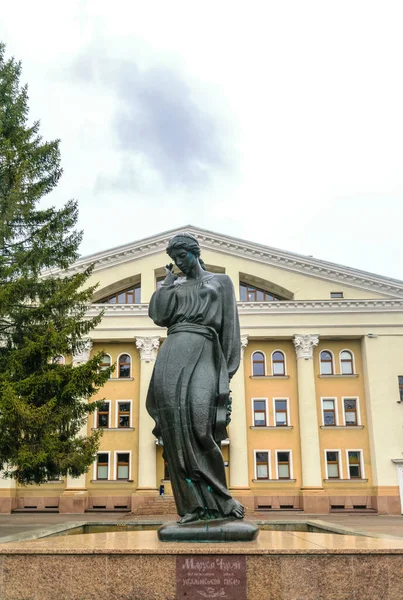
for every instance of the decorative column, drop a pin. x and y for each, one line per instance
(74, 498)
(8, 494)
(308, 422)
(239, 476)
(147, 474)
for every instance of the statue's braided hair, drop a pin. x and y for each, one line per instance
(188, 242)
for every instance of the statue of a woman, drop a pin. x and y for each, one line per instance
(189, 391)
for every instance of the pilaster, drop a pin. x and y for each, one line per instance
(8, 494)
(75, 496)
(147, 472)
(239, 475)
(309, 427)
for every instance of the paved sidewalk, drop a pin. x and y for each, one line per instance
(372, 524)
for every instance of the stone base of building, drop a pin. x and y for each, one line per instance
(7, 504)
(150, 503)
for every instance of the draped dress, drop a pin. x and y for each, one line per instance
(189, 388)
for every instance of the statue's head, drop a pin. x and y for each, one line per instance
(184, 249)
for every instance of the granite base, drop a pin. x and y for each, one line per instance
(136, 566)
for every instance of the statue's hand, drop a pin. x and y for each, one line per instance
(170, 275)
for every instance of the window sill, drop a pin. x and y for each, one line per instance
(269, 376)
(166, 480)
(54, 481)
(274, 480)
(111, 481)
(342, 427)
(354, 480)
(338, 375)
(272, 427)
(120, 379)
(113, 428)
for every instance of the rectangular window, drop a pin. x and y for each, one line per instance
(329, 411)
(102, 465)
(123, 415)
(283, 465)
(259, 413)
(354, 464)
(166, 471)
(281, 416)
(350, 411)
(122, 465)
(333, 464)
(336, 294)
(262, 465)
(103, 415)
(400, 382)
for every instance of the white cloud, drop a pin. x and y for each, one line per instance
(303, 102)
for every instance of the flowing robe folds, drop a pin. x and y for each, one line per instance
(189, 389)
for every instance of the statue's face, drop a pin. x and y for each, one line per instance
(184, 260)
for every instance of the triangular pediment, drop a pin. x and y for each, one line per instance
(251, 251)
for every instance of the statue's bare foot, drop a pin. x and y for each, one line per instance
(238, 510)
(188, 518)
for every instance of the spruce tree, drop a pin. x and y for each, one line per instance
(43, 404)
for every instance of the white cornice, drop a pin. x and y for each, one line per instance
(249, 250)
(266, 308)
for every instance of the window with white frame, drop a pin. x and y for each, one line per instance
(106, 362)
(283, 464)
(281, 417)
(102, 465)
(354, 461)
(258, 364)
(326, 363)
(278, 363)
(332, 464)
(124, 366)
(122, 465)
(103, 415)
(351, 412)
(329, 412)
(259, 412)
(346, 362)
(262, 462)
(123, 414)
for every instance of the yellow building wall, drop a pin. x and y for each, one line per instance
(343, 438)
(115, 439)
(273, 438)
(301, 285)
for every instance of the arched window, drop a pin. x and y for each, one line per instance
(128, 296)
(124, 366)
(326, 363)
(258, 364)
(278, 363)
(346, 362)
(106, 362)
(250, 293)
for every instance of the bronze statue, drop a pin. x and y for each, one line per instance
(189, 391)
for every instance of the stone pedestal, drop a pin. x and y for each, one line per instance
(220, 530)
(278, 565)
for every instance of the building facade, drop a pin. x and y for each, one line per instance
(317, 420)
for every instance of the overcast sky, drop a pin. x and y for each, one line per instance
(278, 122)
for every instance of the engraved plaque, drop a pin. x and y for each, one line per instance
(211, 576)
